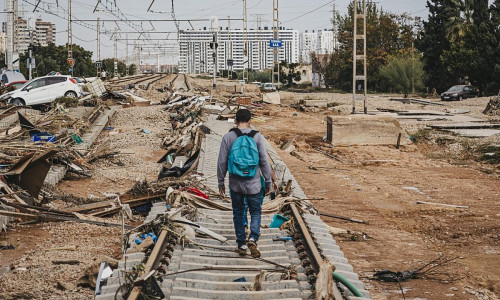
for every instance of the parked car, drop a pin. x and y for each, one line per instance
(269, 86)
(259, 84)
(11, 76)
(43, 90)
(459, 92)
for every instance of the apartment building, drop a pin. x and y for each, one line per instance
(43, 34)
(320, 42)
(196, 54)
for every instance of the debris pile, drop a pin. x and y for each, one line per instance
(493, 107)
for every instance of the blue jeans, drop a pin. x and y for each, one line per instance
(255, 206)
(245, 210)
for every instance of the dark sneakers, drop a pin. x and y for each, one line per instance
(241, 250)
(254, 250)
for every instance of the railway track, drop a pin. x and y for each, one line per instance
(209, 269)
(146, 79)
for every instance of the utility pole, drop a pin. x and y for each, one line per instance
(115, 61)
(361, 57)
(70, 40)
(245, 43)
(99, 62)
(276, 50)
(230, 49)
(31, 27)
(10, 34)
(334, 22)
(12, 53)
(126, 56)
(261, 45)
(214, 26)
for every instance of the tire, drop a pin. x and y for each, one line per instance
(18, 102)
(70, 94)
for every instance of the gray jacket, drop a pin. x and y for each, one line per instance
(245, 186)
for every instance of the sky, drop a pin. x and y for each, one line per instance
(293, 14)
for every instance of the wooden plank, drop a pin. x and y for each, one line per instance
(312, 250)
(315, 256)
(151, 264)
(442, 204)
(106, 203)
(55, 218)
(91, 206)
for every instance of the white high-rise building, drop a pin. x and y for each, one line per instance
(196, 55)
(325, 44)
(320, 42)
(308, 44)
(43, 34)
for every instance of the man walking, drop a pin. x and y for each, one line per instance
(243, 154)
(103, 75)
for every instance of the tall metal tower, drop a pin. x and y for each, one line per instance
(115, 61)
(230, 49)
(126, 56)
(276, 50)
(10, 34)
(98, 65)
(70, 39)
(261, 45)
(245, 42)
(357, 79)
(334, 23)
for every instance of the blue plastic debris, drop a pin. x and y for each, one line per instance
(43, 137)
(278, 220)
(241, 279)
(146, 131)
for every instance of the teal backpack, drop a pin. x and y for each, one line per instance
(244, 155)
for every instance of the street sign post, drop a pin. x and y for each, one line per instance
(230, 62)
(275, 43)
(98, 64)
(71, 62)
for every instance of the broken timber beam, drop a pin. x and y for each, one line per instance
(56, 218)
(151, 265)
(311, 249)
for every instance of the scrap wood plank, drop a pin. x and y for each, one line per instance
(151, 265)
(56, 218)
(107, 203)
(465, 126)
(442, 204)
(417, 101)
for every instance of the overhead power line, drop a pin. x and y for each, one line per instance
(309, 12)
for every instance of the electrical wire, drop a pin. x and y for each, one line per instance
(309, 12)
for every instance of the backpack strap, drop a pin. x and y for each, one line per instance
(240, 133)
(252, 133)
(237, 131)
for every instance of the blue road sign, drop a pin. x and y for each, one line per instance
(275, 43)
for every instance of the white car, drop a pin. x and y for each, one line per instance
(269, 87)
(43, 90)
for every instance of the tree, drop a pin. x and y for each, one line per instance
(54, 58)
(288, 74)
(108, 64)
(404, 73)
(435, 40)
(387, 35)
(320, 67)
(495, 24)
